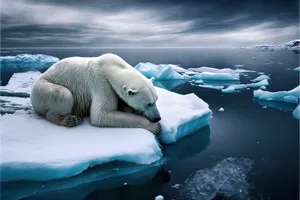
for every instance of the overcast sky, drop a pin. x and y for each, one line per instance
(156, 23)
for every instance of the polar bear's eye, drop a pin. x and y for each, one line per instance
(149, 104)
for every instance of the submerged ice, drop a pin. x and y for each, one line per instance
(228, 178)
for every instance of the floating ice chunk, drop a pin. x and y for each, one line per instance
(27, 62)
(217, 87)
(181, 115)
(234, 88)
(228, 178)
(159, 72)
(276, 104)
(297, 69)
(221, 109)
(243, 71)
(159, 197)
(190, 73)
(20, 84)
(263, 87)
(213, 70)
(260, 78)
(39, 150)
(215, 76)
(296, 112)
(291, 96)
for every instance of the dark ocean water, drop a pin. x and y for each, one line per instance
(268, 137)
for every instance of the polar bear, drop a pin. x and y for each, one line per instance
(76, 87)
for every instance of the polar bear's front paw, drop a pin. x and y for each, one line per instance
(70, 120)
(155, 128)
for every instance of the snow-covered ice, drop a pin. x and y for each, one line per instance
(159, 72)
(234, 88)
(27, 62)
(221, 109)
(181, 115)
(297, 69)
(20, 84)
(261, 78)
(12, 104)
(38, 150)
(290, 96)
(228, 177)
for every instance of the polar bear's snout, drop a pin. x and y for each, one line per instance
(152, 113)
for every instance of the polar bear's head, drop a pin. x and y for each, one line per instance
(141, 95)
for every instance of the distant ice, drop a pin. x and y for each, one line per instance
(221, 109)
(159, 197)
(159, 72)
(20, 84)
(243, 71)
(290, 96)
(297, 69)
(27, 62)
(238, 65)
(291, 45)
(235, 88)
(228, 178)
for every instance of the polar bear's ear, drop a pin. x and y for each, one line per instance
(129, 91)
(152, 79)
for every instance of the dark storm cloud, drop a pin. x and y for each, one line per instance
(147, 23)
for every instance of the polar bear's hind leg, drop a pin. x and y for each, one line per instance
(54, 102)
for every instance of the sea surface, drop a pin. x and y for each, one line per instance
(249, 151)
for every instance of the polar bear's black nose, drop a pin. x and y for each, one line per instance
(157, 119)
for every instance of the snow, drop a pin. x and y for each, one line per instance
(290, 96)
(297, 69)
(20, 84)
(27, 62)
(261, 78)
(221, 109)
(159, 72)
(296, 112)
(237, 87)
(13, 104)
(181, 115)
(159, 197)
(47, 155)
(228, 177)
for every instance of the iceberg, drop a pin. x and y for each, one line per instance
(27, 62)
(20, 84)
(159, 72)
(297, 69)
(175, 67)
(234, 88)
(169, 85)
(291, 96)
(261, 78)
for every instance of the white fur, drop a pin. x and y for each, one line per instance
(92, 86)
